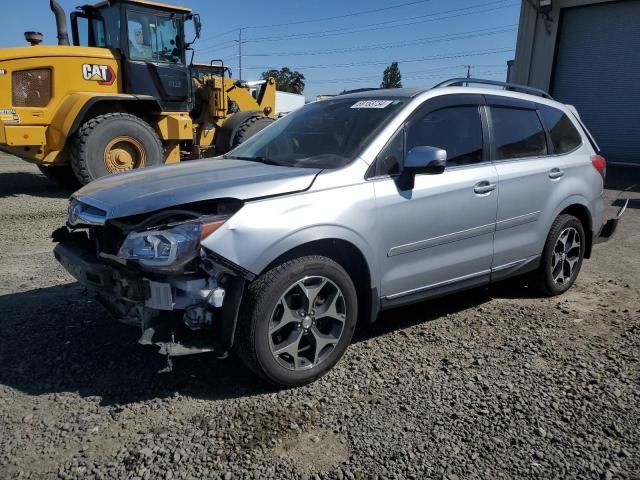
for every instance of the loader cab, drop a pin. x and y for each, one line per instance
(150, 39)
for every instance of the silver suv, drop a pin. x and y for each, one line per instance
(337, 211)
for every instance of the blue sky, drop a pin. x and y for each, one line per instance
(340, 48)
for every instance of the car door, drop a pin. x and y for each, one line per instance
(528, 177)
(440, 232)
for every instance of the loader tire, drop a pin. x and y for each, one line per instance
(249, 128)
(114, 143)
(62, 176)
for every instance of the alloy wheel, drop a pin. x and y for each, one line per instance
(566, 256)
(307, 323)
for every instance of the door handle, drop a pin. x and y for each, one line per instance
(484, 187)
(555, 173)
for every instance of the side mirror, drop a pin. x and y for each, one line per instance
(421, 160)
(197, 26)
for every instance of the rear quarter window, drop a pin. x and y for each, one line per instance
(564, 135)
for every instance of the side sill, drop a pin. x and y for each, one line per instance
(516, 268)
(435, 292)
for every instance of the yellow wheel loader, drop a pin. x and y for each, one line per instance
(122, 96)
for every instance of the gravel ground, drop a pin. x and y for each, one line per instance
(486, 384)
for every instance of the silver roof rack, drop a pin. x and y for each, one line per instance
(460, 82)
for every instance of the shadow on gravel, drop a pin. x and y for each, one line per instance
(32, 184)
(419, 313)
(59, 339)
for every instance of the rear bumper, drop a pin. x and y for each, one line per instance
(610, 226)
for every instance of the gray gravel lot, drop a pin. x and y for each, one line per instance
(486, 384)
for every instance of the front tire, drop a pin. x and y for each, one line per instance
(250, 128)
(562, 256)
(297, 320)
(114, 143)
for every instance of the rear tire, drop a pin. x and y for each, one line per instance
(250, 128)
(562, 256)
(61, 175)
(309, 303)
(114, 143)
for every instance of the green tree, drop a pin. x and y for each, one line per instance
(287, 80)
(391, 78)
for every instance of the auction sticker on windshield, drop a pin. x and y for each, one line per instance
(372, 104)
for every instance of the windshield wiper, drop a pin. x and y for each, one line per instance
(268, 161)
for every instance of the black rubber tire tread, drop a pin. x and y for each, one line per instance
(80, 150)
(62, 176)
(258, 295)
(542, 277)
(249, 128)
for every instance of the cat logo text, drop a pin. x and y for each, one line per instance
(103, 74)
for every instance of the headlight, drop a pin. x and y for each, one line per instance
(174, 246)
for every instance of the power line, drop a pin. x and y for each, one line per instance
(322, 19)
(412, 77)
(406, 43)
(219, 35)
(386, 62)
(386, 24)
(335, 17)
(413, 73)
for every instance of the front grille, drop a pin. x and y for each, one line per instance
(31, 88)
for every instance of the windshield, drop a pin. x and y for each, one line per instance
(325, 134)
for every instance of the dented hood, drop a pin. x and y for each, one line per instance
(156, 188)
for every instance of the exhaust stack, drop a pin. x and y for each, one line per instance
(61, 23)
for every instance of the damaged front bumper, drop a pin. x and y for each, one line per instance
(181, 313)
(609, 228)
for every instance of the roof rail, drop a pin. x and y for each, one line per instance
(507, 86)
(358, 90)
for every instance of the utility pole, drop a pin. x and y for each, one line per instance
(240, 52)
(468, 71)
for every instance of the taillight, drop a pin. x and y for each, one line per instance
(600, 164)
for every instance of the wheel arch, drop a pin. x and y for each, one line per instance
(578, 206)
(80, 107)
(582, 213)
(352, 259)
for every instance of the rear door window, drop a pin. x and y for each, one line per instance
(564, 135)
(517, 133)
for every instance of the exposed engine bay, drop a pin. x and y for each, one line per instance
(150, 271)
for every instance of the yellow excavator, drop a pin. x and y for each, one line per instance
(121, 94)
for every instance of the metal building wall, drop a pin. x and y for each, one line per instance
(597, 69)
(546, 54)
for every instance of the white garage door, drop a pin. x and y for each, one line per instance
(597, 69)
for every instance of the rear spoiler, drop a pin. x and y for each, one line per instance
(576, 115)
